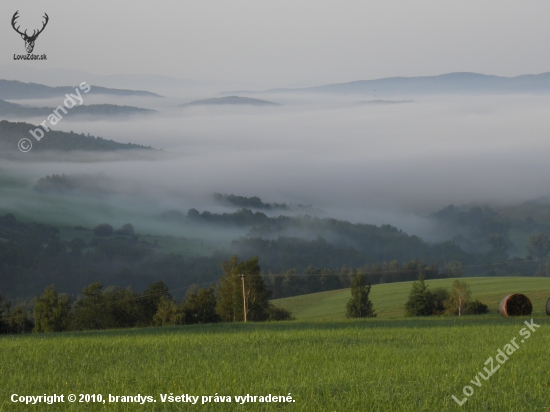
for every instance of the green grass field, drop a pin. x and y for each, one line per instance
(392, 364)
(389, 299)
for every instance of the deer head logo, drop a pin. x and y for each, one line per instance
(29, 40)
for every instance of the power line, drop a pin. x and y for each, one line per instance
(214, 282)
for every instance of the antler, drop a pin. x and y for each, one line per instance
(34, 35)
(15, 17)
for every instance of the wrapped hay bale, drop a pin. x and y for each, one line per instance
(548, 307)
(516, 305)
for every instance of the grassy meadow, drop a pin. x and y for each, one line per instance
(389, 299)
(382, 364)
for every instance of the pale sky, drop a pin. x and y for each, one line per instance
(285, 43)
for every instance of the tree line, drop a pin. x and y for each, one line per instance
(32, 256)
(313, 280)
(98, 308)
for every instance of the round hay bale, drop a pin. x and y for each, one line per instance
(516, 305)
(548, 307)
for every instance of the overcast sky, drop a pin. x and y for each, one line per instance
(286, 43)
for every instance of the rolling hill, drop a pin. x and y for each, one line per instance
(389, 299)
(230, 100)
(386, 102)
(450, 83)
(14, 90)
(102, 110)
(11, 133)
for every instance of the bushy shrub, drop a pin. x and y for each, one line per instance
(476, 308)
(421, 300)
(276, 313)
(360, 305)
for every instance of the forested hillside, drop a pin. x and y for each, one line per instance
(11, 133)
(18, 110)
(33, 256)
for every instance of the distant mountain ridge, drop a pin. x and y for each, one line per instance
(230, 100)
(157, 83)
(385, 102)
(11, 133)
(14, 90)
(18, 110)
(450, 83)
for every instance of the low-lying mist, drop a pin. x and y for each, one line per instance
(371, 163)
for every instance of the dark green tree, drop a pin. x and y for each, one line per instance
(168, 313)
(122, 307)
(19, 321)
(51, 311)
(439, 297)
(230, 302)
(149, 303)
(420, 302)
(112, 308)
(90, 312)
(360, 305)
(228, 305)
(200, 307)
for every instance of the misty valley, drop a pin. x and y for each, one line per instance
(136, 189)
(275, 206)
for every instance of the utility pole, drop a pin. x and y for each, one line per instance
(244, 296)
